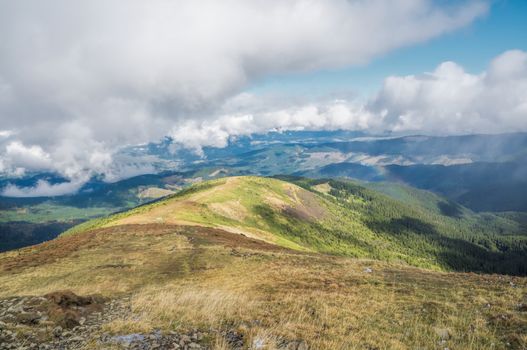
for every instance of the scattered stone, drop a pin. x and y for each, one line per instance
(27, 317)
(57, 331)
(235, 339)
(302, 346)
(185, 339)
(54, 321)
(258, 343)
(64, 321)
(154, 340)
(368, 270)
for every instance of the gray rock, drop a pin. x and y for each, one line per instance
(57, 331)
(302, 346)
(27, 317)
(77, 339)
(185, 339)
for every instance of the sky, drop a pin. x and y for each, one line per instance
(80, 81)
(473, 47)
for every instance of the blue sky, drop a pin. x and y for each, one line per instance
(473, 47)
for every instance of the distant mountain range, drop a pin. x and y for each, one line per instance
(480, 172)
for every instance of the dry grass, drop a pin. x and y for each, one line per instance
(181, 278)
(176, 306)
(334, 304)
(232, 209)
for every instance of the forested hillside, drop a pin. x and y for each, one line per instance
(344, 218)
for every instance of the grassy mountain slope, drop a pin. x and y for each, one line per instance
(239, 291)
(343, 218)
(27, 221)
(240, 262)
(495, 186)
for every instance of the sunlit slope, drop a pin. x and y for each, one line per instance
(187, 262)
(176, 278)
(341, 218)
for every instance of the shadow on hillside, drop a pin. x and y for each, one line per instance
(14, 235)
(455, 253)
(450, 209)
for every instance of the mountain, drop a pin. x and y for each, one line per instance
(263, 263)
(26, 221)
(343, 218)
(485, 173)
(493, 187)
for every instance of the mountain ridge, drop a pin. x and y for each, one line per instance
(287, 276)
(348, 219)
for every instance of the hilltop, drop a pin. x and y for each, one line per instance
(262, 263)
(481, 172)
(390, 222)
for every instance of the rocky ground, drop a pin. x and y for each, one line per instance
(64, 320)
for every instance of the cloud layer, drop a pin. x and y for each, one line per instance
(447, 100)
(80, 80)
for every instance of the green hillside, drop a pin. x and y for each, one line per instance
(343, 218)
(264, 263)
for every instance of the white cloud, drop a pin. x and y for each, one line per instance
(42, 189)
(332, 115)
(6, 133)
(445, 101)
(449, 100)
(18, 155)
(80, 79)
(93, 76)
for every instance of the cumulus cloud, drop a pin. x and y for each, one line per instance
(80, 79)
(33, 157)
(449, 100)
(331, 115)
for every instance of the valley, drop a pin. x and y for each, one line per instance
(491, 179)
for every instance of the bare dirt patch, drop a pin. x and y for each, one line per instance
(306, 205)
(205, 235)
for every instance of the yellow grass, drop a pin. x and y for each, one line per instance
(176, 280)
